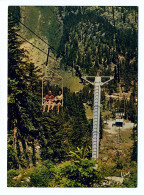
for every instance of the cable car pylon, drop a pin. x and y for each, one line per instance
(96, 110)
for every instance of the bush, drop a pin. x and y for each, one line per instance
(131, 182)
(78, 172)
(12, 164)
(33, 177)
(81, 173)
(40, 177)
(10, 175)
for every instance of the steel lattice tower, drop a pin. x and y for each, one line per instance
(96, 111)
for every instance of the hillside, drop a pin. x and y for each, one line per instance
(54, 149)
(94, 39)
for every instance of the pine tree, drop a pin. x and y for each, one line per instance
(16, 84)
(23, 105)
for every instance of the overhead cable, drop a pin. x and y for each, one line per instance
(35, 34)
(35, 46)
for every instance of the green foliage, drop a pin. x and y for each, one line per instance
(131, 182)
(98, 38)
(10, 175)
(22, 103)
(131, 110)
(80, 153)
(68, 130)
(106, 170)
(40, 177)
(12, 163)
(134, 149)
(79, 172)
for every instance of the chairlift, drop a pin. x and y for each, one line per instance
(52, 81)
(49, 74)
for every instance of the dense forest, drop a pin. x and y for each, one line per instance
(54, 149)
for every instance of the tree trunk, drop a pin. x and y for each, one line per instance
(115, 38)
(33, 152)
(15, 135)
(15, 142)
(28, 156)
(20, 147)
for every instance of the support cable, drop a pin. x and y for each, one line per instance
(35, 46)
(40, 39)
(38, 35)
(34, 33)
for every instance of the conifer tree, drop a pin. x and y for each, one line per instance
(22, 106)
